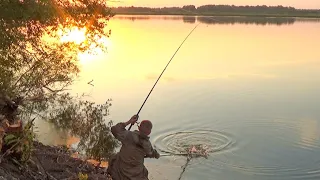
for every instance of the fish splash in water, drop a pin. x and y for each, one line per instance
(198, 151)
(195, 151)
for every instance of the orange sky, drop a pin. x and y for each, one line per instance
(306, 4)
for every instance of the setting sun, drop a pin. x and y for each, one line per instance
(75, 35)
(78, 36)
(85, 57)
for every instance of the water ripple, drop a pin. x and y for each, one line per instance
(177, 143)
(228, 154)
(310, 171)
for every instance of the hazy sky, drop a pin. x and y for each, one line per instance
(310, 4)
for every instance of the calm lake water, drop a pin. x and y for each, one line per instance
(248, 88)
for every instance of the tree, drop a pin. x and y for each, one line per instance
(37, 66)
(189, 8)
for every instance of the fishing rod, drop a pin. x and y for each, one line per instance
(164, 70)
(170, 61)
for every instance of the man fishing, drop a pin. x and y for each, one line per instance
(128, 164)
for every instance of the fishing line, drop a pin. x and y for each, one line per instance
(170, 62)
(164, 70)
(185, 167)
(188, 154)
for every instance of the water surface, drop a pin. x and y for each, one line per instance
(247, 88)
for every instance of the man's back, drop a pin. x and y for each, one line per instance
(129, 162)
(134, 148)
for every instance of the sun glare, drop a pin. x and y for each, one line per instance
(78, 36)
(75, 35)
(86, 57)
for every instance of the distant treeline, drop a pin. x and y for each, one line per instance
(219, 20)
(221, 10)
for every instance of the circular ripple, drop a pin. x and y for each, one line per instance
(178, 143)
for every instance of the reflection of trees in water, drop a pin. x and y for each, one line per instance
(132, 18)
(147, 17)
(189, 19)
(314, 20)
(221, 19)
(245, 20)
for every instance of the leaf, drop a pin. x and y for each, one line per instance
(12, 141)
(10, 137)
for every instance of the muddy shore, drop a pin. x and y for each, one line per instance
(51, 163)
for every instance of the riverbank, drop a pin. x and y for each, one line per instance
(51, 162)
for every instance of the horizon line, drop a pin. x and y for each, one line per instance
(215, 5)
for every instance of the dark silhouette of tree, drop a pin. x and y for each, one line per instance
(190, 8)
(259, 10)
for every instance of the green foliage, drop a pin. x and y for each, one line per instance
(19, 145)
(82, 176)
(36, 65)
(30, 64)
(28, 137)
(85, 120)
(10, 139)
